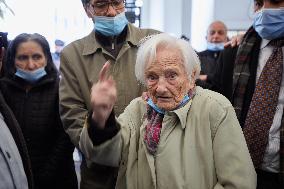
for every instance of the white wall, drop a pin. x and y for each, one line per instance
(236, 14)
(163, 15)
(67, 20)
(53, 19)
(152, 14)
(192, 17)
(173, 17)
(202, 15)
(186, 17)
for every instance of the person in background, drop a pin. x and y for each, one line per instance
(236, 40)
(251, 76)
(229, 55)
(15, 165)
(115, 39)
(59, 45)
(181, 137)
(216, 38)
(3, 44)
(30, 88)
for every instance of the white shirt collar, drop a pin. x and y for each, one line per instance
(264, 43)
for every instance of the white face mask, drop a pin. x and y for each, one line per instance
(215, 46)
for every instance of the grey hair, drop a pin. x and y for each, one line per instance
(148, 49)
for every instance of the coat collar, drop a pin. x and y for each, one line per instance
(91, 45)
(181, 113)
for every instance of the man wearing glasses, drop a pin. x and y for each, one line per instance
(115, 40)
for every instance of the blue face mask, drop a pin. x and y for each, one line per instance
(31, 76)
(269, 23)
(110, 26)
(215, 46)
(161, 111)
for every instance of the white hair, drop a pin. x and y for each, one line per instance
(148, 49)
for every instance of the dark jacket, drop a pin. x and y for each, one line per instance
(223, 77)
(37, 111)
(18, 137)
(208, 60)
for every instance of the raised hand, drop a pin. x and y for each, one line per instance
(103, 97)
(235, 40)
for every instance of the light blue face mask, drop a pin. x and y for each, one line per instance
(161, 111)
(269, 23)
(215, 46)
(110, 26)
(31, 76)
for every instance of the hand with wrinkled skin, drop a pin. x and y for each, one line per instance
(235, 41)
(103, 97)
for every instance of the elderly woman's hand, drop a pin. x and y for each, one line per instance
(103, 97)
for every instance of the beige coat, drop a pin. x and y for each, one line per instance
(201, 147)
(81, 62)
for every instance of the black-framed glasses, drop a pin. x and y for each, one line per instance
(102, 6)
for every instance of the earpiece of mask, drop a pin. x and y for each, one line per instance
(161, 111)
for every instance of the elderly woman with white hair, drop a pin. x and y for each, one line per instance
(181, 136)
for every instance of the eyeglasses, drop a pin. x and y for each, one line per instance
(101, 7)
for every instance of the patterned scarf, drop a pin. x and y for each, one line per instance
(240, 81)
(155, 117)
(153, 129)
(241, 69)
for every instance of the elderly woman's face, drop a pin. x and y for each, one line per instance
(166, 79)
(30, 56)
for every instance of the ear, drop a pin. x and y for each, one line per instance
(192, 80)
(193, 75)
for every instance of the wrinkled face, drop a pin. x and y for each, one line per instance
(217, 33)
(166, 79)
(30, 56)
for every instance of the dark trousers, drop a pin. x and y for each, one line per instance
(97, 176)
(267, 180)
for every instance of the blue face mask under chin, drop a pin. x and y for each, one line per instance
(161, 111)
(31, 76)
(110, 26)
(215, 46)
(269, 23)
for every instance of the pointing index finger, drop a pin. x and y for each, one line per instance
(103, 73)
